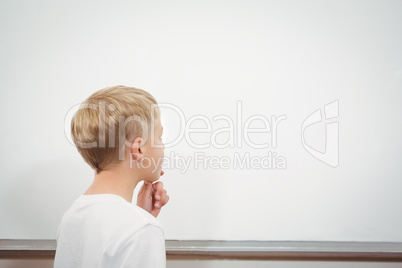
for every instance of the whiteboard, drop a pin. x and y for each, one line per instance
(329, 73)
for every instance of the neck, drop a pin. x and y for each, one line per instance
(115, 181)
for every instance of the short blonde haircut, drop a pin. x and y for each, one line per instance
(130, 110)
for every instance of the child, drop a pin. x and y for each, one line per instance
(117, 131)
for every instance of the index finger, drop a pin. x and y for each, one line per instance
(158, 186)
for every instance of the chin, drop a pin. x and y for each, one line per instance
(154, 179)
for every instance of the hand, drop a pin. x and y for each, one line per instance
(152, 197)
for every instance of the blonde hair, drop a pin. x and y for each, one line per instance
(130, 110)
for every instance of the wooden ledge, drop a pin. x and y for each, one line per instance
(246, 250)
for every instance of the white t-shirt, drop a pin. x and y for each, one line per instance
(105, 230)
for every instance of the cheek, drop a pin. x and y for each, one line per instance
(159, 148)
(162, 153)
(162, 156)
(159, 153)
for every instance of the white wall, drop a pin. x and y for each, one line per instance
(278, 58)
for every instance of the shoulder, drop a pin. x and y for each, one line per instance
(132, 214)
(99, 226)
(107, 211)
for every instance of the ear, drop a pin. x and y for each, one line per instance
(135, 150)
